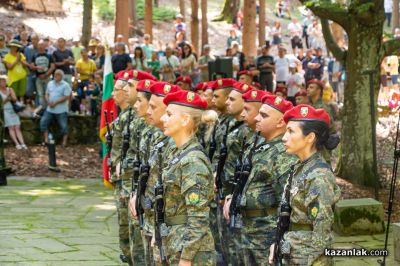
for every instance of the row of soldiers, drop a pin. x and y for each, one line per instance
(199, 175)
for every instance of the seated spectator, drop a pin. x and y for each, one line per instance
(147, 47)
(276, 33)
(120, 60)
(11, 119)
(139, 60)
(232, 38)
(86, 68)
(57, 95)
(16, 64)
(180, 26)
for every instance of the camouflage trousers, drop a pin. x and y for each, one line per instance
(214, 227)
(297, 261)
(230, 241)
(136, 243)
(148, 249)
(202, 258)
(122, 200)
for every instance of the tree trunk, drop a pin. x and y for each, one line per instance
(249, 28)
(204, 23)
(182, 8)
(194, 25)
(148, 18)
(132, 17)
(156, 3)
(395, 18)
(261, 24)
(229, 11)
(122, 19)
(87, 22)
(357, 162)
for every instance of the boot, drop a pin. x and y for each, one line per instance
(3, 179)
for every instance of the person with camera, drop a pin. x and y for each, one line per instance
(310, 192)
(11, 119)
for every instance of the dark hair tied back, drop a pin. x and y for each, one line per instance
(321, 130)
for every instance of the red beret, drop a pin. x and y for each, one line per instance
(245, 72)
(201, 86)
(123, 75)
(282, 90)
(210, 85)
(144, 85)
(186, 98)
(242, 87)
(305, 112)
(301, 93)
(277, 102)
(185, 79)
(140, 75)
(163, 88)
(223, 83)
(316, 81)
(254, 95)
(257, 85)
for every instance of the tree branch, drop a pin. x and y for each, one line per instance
(331, 43)
(391, 47)
(330, 11)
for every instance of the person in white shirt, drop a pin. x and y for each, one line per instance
(294, 83)
(295, 31)
(281, 66)
(388, 5)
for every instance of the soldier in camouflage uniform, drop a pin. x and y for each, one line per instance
(188, 184)
(312, 186)
(270, 166)
(119, 124)
(156, 139)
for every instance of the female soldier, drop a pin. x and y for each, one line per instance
(188, 184)
(311, 189)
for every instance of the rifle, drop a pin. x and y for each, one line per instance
(108, 139)
(238, 167)
(213, 145)
(283, 220)
(234, 209)
(223, 154)
(125, 141)
(160, 228)
(135, 176)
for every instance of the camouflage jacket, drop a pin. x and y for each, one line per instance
(158, 140)
(313, 195)
(188, 192)
(217, 136)
(118, 127)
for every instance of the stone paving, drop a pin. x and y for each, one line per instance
(73, 222)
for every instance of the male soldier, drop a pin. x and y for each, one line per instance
(200, 88)
(301, 97)
(185, 82)
(120, 98)
(245, 76)
(158, 141)
(136, 125)
(269, 164)
(315, 89)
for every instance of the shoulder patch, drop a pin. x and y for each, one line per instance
(314, 210)
(194, 197)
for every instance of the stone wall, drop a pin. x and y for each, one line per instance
(82, 130)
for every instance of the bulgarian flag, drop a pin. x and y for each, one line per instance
(108, 106)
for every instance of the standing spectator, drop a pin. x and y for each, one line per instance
(307, 59)
(154, 65)
(306, 23)
(57, 95)
(276, 33)
(282, 66)
(147, 47)
(9, 35)
(24, 38)
(139, 60)
(169, 66)
(180, 41)
(49, 46)
(388, 5)
(188, 63)
(120, 60)
(3, 51)
(237, 53)
(295, 82)
(76, 49)
(86, 68)
(16, 64)
(268, 34)
(235, 62)
(92, 49)
(30, 52)
(203, 62)
(232, 38)
(100, 58)
(295, 31)
(315, 35)
(20, 28)
(316, 66)
(64, 59)
(180, 26)
(44, 67)
(265, 64)
(11, 119)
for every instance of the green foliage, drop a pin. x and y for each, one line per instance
(161, 13)
(105, 9)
